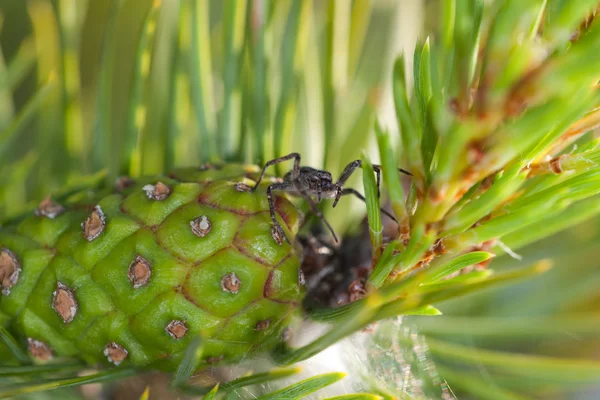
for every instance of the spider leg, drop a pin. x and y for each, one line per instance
(276, 226)
(401, 170)
(315, 209)
(295, 171)
(361, 197)
(349, 170)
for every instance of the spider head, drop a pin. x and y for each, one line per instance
(317, 181)
(314, 180)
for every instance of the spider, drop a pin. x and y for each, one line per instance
(313, 185)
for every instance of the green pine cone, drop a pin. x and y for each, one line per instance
(135, 275)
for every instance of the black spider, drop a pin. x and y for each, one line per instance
(313, 185)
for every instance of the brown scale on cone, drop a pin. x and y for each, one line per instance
(64, 303)
(115, 353)
(201, 226)
(140, 271)
(436, 250)
(94, 224)
(262, 325)
(10, 268)
(286, 335)
(475, 151)
(277, 235)
(486, 183)
(357, 290)
(523, 91)
(585, 24)
(242, 187)
(39, 350)
(158, 192)
(215, 359)
(176, 329)
(437, 194)
(548, 166)
(206, 166)
(555, 165)
(230, 283)
(301, 278)
(123, 183)
(49, 209)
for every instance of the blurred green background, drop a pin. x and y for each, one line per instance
(140, 86)
(92, 89)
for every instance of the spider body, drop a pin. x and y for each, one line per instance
(312, 185)
(317, 183)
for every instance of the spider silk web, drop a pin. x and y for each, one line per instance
(390, 358)
(393, 358)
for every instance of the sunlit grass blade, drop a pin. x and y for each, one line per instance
(234, 21)
(213, 392)
(510, 328)
(481, 388)
(449, 18)
(137, 109)
(13, 193)
(428, 134)
(100, 377)
(179, 150)
(537, 148)
(25, 116)
(145, 394)
(402, 297)
(573, 215)
(356, 320)
(256, 379)
(500, 190)
(497, 279)
(156, 96)
(539, 21)
(200, 73)
(305, 387)
(444, 267)
(462, 279)
(74, 136)
(392, 181)
(53, 166)
(356, 396)
(384, 266)
(13, 346)
(38, 370)
(586, 124)
(118, 81)
(18, 67)
(373, 208)
(258, 13)
(285, 110)
(562, 167)
(565, 18)
(334, 314)
(245, 381)
(524, 365)
(466, 21)
(502, 225)
(353, 316)
(571, 190)
(400, 264)
(96, 60)
(188, 363)
(359, 24)
(411, 144)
